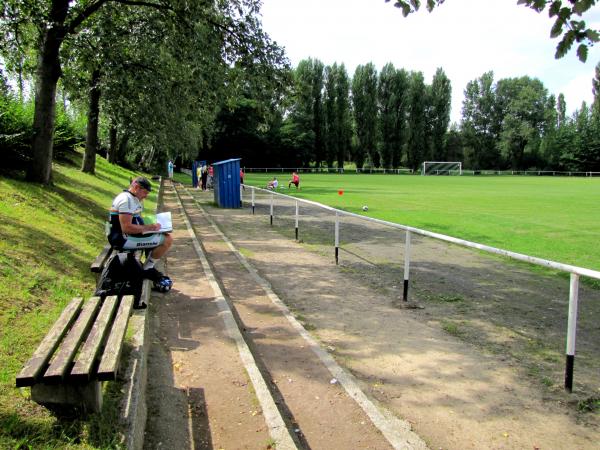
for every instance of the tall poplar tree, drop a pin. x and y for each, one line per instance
(364, 101)
(329, 107)
(388, 113)
(441, 98)
(416, 146)
(338, 129)
(343, 118)
(318, 115)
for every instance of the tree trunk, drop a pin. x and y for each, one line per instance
(122, 148)
(48, 73)
(91, 141)
(112, 144)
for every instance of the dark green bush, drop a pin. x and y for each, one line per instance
(16, 133)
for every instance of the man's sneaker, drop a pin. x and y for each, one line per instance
(164, 284)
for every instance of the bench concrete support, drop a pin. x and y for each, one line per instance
(85, 396)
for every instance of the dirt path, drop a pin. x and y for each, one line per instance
(456, 394)
(199, 393)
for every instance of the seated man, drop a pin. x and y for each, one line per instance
(273, 183)
(128, 231)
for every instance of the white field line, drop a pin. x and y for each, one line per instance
(396, 431)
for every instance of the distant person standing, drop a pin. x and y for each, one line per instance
(170, 169)
(198, 175)
(242, 178)
(295, 180)
(211, 173)
(204, 177)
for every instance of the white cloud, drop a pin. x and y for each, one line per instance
(464, 37)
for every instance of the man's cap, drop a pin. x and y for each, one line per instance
(143, 183)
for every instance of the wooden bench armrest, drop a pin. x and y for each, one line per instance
(38, 362)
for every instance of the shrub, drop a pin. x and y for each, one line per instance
(16, 132)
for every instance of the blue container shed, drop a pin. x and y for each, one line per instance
(227, 183)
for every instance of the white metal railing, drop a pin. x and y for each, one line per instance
(574, 271)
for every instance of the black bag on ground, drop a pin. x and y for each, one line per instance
(122, 275)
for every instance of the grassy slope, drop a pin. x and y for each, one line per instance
(50, 235)
(549, 217)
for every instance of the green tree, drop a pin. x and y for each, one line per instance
(235, 22)
(549, 153)
(441, 98)
(522, 103)
(565, 24)
(454, 144)
(318, 116)
(393, 93)
(481, 123)
(416, 146)
(330, 114)
(388, 113)
(338, 129)
(307, 109)
(343, 115)
(364, 101)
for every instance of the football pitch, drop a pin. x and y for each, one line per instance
(555, 218)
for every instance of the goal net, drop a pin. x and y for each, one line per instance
(441, 168)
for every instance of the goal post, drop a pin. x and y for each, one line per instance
(441, 168)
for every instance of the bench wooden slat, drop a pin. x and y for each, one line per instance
(38, 362)
(109, 365)
(101, 259)
(89, 352)
(63, 359)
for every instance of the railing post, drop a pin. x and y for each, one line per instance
(406, 265)
(297, 210)
(337, 236)
(271, 209)
(571, 331)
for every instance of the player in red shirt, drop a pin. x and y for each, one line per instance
(295, 180)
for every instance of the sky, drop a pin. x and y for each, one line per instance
(466, 38)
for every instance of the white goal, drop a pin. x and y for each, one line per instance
(441, 168)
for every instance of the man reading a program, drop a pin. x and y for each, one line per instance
(127, 228)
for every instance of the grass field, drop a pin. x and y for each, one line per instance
(553, 218)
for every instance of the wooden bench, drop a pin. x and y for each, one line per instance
(81, 350)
